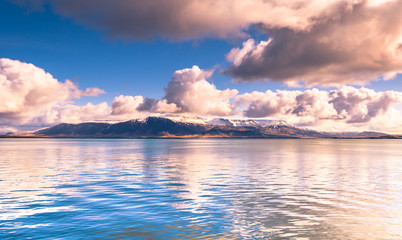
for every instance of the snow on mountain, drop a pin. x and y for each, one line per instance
(186, 119)
(219, 122)
(248, 122)
(274, 123)
(222, 121)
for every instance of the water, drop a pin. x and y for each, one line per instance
(200, 189)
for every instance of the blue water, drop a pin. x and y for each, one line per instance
(200, 189)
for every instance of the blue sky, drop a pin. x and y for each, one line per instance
(88, 56)
(119, 49)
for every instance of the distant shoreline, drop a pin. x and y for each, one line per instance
(201, 137)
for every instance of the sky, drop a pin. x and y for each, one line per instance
(327, 65)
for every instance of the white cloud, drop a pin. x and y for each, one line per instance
(72, 114)
(249, 49)
(164, 107)
(358, 108)
(187, 92)
(122, 105)
(32, 98)
(28, 91)
(192, 93)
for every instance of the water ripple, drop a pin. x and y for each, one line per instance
(200, 189)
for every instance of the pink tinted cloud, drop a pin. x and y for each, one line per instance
(28, 99)
(28, 91)
(188, 19)
(311, 42)
(355, 44)
(347, 104)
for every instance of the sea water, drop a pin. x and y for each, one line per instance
(200, 189)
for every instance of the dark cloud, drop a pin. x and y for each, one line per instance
(351, 46)
(149, 105)
(173, 19)
(185, 19)
(328, 43)
(260, 109)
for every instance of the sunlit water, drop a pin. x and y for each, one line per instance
(200, 188)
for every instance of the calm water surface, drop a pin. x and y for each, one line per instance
(200, 189)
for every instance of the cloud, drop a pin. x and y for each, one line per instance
(163, 106)
(187, 19)
(327, 43)
(90, 92)
(148, 105)
(32, 98)
(360, 106)
(6, 129)
(188, 91)
(152, 105)
(28, 91)
(72, 114)
(138, 105)
(312, 107)
(353, 45)
(192, 93)
(126, 104)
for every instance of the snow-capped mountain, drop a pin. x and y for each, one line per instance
(229, 121)
(183, 127)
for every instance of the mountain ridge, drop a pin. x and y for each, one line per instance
(178, 127)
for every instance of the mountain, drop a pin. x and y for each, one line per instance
(182, 127)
